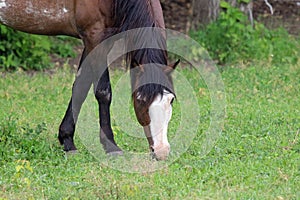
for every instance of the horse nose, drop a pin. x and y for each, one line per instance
(160, 153)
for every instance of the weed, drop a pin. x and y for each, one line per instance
(23, 142)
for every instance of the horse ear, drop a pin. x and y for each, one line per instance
(175, 64)
(172, 67)
(134, 64)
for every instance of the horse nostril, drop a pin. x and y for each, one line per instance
(152, 154)
(152, 149)
(159, 153)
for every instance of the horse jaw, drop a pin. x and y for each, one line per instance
(160, 112)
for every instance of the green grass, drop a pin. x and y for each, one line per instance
(256, 157)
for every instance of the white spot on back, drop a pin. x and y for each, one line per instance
(29, 8)
(2, 4)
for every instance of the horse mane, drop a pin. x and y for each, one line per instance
(135, 14)
(130, 14)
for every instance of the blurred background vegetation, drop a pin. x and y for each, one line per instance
(20, 50)
(230, 37)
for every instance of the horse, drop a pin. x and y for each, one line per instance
(94, 21)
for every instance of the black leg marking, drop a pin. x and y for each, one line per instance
(67, 129)
(80, 90)
(103, 95)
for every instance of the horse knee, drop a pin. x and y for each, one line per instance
(103, 95)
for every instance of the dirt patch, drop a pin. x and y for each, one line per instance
(284, 9)
(176, 14)
(286, 14)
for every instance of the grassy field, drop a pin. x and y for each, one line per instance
(256, 157)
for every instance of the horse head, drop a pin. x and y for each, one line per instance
(153, 95)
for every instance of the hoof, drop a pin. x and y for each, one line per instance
(68, 144)
(111, 148)
(115, 153)
(72, 152)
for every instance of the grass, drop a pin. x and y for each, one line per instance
(256, 157)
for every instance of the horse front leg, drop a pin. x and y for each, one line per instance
(80, 90)
(67, 129)
(103, 94)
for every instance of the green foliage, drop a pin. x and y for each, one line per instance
(63, 46)
(28, 51)
(23, 142)
(232, 39)
(244, 1)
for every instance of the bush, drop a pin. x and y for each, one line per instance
(28, 51)
(231, 39)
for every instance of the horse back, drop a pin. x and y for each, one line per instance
(38, 16)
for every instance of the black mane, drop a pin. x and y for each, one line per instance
(130, 14)
(136, 14)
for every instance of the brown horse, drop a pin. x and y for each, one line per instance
(94, 21)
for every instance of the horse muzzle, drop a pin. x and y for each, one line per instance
(160, 152)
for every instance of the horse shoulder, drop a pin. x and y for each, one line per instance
(92, 18)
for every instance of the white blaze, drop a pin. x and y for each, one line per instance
(160, 112)
(2, 4)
